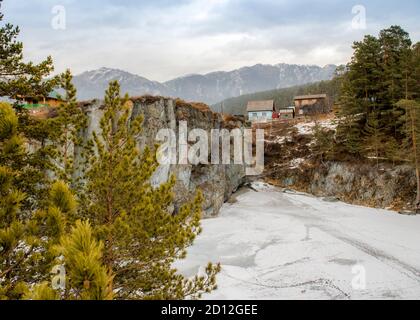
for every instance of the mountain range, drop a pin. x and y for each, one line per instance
(209, 88)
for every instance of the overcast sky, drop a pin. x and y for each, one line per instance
(163, 39)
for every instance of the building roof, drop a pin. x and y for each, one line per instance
(54, 95)
(266, 105)
(311, 96)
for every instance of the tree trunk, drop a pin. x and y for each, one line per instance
(418, 191)
(416, 159)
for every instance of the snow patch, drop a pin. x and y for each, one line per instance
(307, 128)
(262, 186)
(296, 163)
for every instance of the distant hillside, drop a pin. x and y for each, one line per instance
(209, 88)
(283, 97)
(217, 86)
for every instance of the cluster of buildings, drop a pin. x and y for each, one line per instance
(303, 106)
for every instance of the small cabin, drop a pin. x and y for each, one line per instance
(311, 104)
(30, 102)
(286, 113)
(260, 110)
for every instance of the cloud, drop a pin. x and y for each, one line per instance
(162, 39)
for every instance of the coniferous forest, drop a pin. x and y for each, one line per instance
(379, 103)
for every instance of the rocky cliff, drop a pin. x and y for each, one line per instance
(363, 184)
(217, 182)
(292, 163)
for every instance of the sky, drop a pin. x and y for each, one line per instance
(164, 39)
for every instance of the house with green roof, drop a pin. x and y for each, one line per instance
(35, 102)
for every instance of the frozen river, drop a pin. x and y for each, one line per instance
(275, 245)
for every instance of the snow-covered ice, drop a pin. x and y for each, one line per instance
(275, 245)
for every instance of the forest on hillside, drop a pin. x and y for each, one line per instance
(282, 97)
(378, 104)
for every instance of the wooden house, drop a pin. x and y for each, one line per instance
(260, 110)
(31, 102)
(311, 104)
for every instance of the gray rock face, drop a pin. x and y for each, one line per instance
(391, 187)
(217, 182)
(364, 184)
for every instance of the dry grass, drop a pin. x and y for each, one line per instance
(195, 105)
(146, 99)
(200, 106)
(43, 113)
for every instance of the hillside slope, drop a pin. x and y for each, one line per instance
(283, 97)
(217, 86)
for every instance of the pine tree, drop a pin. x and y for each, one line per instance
(415, 74)
(392, 150)
(89, 279)
(395, 45)
(18, 78)
(85, 278)
(382, 71)
(395, 52)
(412, 128)
(359, 94)
(22, 79)
(365, 72)
(36, 162)
(42, 292)
(142, 237)
(374, 137)
(30, 238)
(35, 214)
(12, 229)
(24, 233)
(67, 127)
(324, 143)
(351, 115)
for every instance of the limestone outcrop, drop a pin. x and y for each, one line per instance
(217, 182)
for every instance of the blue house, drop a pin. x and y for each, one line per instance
(260, 110)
